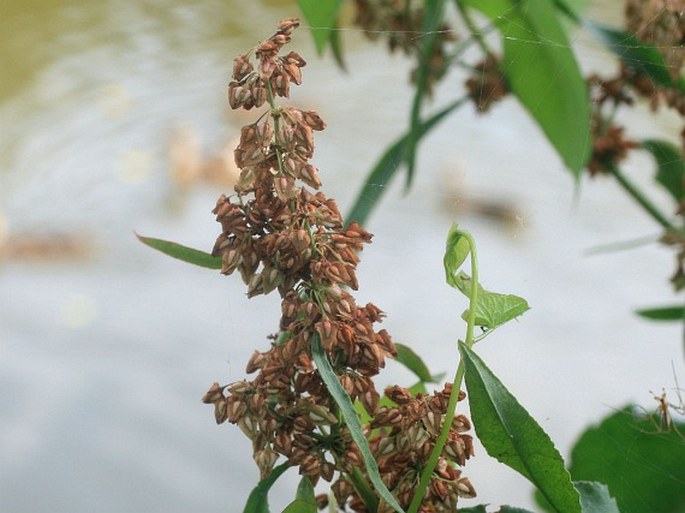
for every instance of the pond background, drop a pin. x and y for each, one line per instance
(106, 347)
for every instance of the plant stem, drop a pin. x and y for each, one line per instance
(475, 32)
(276, 117)
(365, 491)
(427, 472)
(639, 197)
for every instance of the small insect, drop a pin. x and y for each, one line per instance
(664, 411)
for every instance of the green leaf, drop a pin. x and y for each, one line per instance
(432, 21)
(543, 73)
(457, 250)
(344, 402)
(299, 506)
(320, 16)
(474, 509)
(336, 47)
(635, 54)
(664, 313)
(504, 509)
(190, 255)
(407, 357)
(257, 502)
(305, 501)
(641, 462)
(512, 436)
(379, 178)
(595, 498)
(492, 308)
(670, 166)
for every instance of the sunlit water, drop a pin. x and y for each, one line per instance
(105, 355)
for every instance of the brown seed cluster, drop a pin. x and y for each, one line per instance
(609, 145)
(660, 23)
(487, 85)
(280, 234)
(401, 23)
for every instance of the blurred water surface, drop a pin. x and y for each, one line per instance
(106, 346)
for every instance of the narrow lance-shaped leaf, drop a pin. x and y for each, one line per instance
(258, 502)
(432, 20)
(543, 73)
(320, 15)
(336, 47)
(175, 250)
(305, 501)
(635, 54)
(344, 402)
(670, 166)
(512, 436)
(664, 313)
(407, 357)
(380, 176)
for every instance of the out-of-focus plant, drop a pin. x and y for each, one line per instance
(535, 63)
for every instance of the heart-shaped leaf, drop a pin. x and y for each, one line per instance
(492, 308)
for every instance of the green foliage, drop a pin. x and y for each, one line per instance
(434, 10)
(348, 412)
(382, 173)
(543, 73)
(664, 313)
(258, 501)
(407, 357)
(635, 54)
(642, 464)
(595, 497)
(512, 436)
(175, 250)
(456, 251)
(321, 16)
(305, 501)
(504, 509)
(491, 308)
(670, 167)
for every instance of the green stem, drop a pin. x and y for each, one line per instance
(427, 472)
(639, 197)
(363, 489)
(277, 118)
(475, 32)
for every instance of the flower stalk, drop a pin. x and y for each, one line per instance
(281, 234)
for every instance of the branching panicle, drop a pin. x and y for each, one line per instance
(280, 235)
